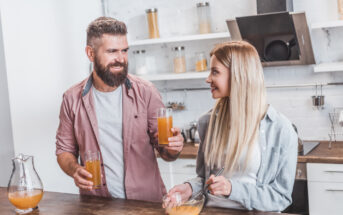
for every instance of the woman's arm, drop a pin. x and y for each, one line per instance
(277, 194)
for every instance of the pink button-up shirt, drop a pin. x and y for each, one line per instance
(78, 133)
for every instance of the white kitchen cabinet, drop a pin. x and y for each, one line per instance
(325, 188)
(176, 172)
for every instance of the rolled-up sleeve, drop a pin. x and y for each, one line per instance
(277, 194)
(65, 137)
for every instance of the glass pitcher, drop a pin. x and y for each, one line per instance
(25, 189)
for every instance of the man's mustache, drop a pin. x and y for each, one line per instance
(116, 64)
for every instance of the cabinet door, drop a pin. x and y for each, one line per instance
(319, 172)
(325, 198)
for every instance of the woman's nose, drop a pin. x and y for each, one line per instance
(208, 79)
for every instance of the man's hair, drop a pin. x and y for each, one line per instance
(104, 25)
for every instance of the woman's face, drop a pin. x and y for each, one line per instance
(218, 79)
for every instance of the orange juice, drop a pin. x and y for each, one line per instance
(93, 167)
(164, 125)
(201, 65)
(25, 199)
(184, 210)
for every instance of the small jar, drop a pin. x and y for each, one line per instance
(140, 62)
(179, 59)
(152, 23)
(200, 62)
(203, 9)
(340, 9)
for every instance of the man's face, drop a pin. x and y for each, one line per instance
(110, 59)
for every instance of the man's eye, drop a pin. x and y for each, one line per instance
(125, 50)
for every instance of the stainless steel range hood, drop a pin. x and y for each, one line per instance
(280, 38)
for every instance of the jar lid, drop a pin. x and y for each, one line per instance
(142, 51)
(151, 10)
(135, 52)
(203, 4)
(178, 48)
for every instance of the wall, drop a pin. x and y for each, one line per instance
(44, 46)
(295, 103)
(6, 142)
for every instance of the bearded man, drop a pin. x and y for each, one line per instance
(115, 114)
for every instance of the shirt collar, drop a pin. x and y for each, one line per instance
(89, 84)
(271, 113)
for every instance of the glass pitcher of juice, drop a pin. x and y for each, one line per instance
(25, 189)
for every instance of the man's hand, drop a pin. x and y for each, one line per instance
(175, 144)
(219, 185)
(81, 176)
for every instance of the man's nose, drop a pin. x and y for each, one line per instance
(119, 57)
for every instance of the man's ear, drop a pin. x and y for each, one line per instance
(90, 53)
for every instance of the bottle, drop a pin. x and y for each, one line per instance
(152, 23)
(179, 59)
(204, 17)
(200, 64)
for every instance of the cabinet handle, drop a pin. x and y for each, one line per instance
(190, 166)
(334, 171)
(334, 190)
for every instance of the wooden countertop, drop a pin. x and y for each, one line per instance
(62, 203)
(320, 154)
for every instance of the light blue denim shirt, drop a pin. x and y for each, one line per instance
(275, 177)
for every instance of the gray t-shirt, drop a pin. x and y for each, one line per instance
(108, 108)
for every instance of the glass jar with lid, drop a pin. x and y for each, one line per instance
(140, 62)
(152, 23)
(179, 59)
(203, 10)
(200, 62)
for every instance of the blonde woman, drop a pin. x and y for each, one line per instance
(256, 145)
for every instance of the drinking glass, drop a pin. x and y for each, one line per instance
(93, 167)
(164, 125)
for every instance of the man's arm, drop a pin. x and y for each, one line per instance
(172, 151)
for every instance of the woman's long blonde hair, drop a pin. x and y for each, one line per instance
(234, 122)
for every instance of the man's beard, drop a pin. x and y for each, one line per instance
(108, 77)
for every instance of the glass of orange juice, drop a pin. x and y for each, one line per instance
(164, 125)
(93, 167)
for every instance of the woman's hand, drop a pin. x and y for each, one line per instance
(184, 191)
(219, 185)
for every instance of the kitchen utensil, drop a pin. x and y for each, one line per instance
(278, 50)
(203, 191)
(318, 100)
(25, 189)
